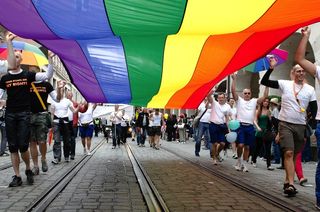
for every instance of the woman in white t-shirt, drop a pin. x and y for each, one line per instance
(60, 128)
(87, 127)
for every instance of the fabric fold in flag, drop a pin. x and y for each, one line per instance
(161, 54)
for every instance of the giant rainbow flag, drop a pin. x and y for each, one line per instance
(155, 53)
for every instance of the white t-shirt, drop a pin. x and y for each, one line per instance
(318, 92)
(61, 108)
(205, 117)
(246, 110)
(290, 108)
(70, 115)
(87, 117)
(116, 117)
(157, 119)
(124, 120)
(3, 66)
(219, 112)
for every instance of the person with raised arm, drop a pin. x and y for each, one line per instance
(314, 70)
(17, 83)
(296, 96)
(246, 110)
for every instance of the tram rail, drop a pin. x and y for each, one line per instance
(274, 200)
(48, 196)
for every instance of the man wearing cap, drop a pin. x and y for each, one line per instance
(296, 97)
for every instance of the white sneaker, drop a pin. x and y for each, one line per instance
(254, 165)
(238, 166)
(244, 168)
(89, 153)
(270, 168)
(215, 162)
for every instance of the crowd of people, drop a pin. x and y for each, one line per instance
(264, 123)
(26, 117)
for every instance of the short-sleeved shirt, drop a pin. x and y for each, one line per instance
(3, 66)
(290, 108)
(206, 116)
(61, 108)
(219, 112)
(87, 117)
(246, 110)
(44, 89)
(18, 90)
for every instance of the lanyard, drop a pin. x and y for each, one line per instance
(296, 96)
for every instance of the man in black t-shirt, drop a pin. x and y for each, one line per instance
(17, 83)
(41, 119)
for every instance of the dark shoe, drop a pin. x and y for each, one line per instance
(16, 181)
(44, 166)
(3, 154)
(197, 154)
(29, 177)
(280, 167)
(35, 170)
(285, 185)
(303, 181)
(290, 190)
(72, 157)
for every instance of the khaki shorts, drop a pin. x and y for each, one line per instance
(291, 136)
(39, 127)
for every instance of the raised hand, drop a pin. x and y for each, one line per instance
(306, 31)
(50, 56)
(61, 84)
(233, 76)
(272, 61)
(10, 36)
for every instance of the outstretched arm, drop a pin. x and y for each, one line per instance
(11, 58)
(47, 75)
(301, 51)
(233, 88)
(265, 79)
(209, 96)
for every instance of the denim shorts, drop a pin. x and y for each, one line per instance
(218, 132)
(246, 135)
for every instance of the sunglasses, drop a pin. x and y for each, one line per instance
(247, 93)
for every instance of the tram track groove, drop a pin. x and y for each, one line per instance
(152, 196)
(48, 196)
(274, 200)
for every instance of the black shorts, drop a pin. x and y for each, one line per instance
(18, 131)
